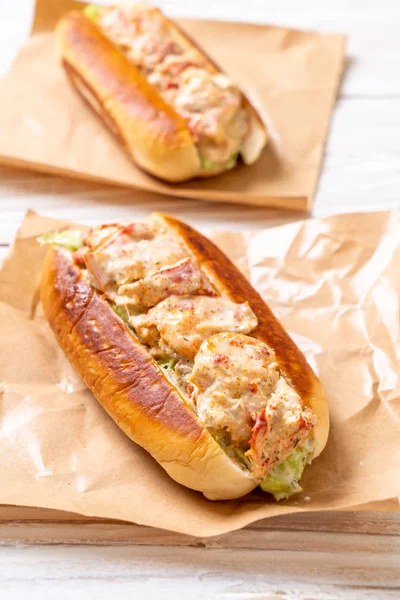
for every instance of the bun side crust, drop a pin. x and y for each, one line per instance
(228, 280)
(154, 135)
(130, 386)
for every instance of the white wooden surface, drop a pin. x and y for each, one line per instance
(361, 172)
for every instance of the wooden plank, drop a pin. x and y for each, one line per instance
(90, 203)
(29, 525)
(362, 163)
(379, 517)
(361, 172)
(248, 538)
(360, 521)
(203, 572)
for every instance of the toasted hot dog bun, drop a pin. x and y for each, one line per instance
(154, 135)
(133, 389)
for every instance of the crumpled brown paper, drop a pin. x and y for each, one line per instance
(334, 283)
(291, 76)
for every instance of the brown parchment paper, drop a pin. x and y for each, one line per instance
(291, 76)
(334, 283)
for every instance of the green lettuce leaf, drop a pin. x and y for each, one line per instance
(71, 239)
(223, 442)
(122, 312)
(91, 11)
(229, 164)
(241, 457)
(284, 479)
(168, 364)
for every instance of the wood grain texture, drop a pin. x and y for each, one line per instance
(361, 172)
(345, 556)
(159, 572)
(291, 532)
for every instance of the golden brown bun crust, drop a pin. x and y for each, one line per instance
(230, 281)
(130, 386)
(155, 136)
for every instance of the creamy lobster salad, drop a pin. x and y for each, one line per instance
(210, 103)
(202, 341)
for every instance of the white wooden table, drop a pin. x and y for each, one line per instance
(361, 172)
